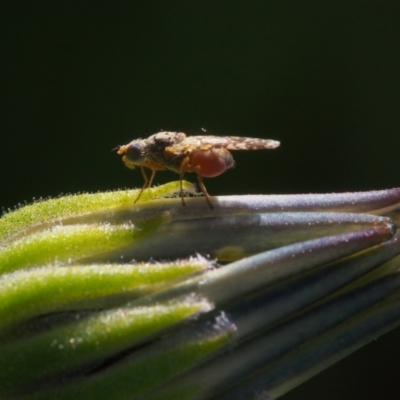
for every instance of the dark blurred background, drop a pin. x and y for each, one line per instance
(323, 77)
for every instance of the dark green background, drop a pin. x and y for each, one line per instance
(323, 77)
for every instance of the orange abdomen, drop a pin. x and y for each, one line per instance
(210, 163)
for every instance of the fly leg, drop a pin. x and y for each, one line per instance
(185, 166)
(147, 182)
(182, 170)
(203, 188)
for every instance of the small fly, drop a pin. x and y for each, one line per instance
(207, 156)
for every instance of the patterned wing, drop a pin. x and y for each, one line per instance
(193, 143)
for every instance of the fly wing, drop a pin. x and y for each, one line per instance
(193, 143)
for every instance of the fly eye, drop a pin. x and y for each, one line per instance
(133, 152)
